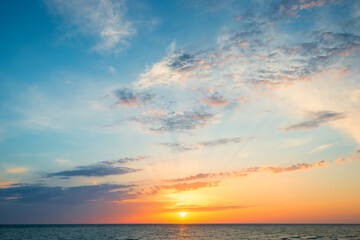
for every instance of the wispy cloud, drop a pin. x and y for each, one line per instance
(294, 167)
(17, 170)
(173, 68)
(6, 184)
(209, 180)
(317, 119)
(181, 187)
(103, 19)
(100, 169)
(246, 171)
(182, 147)
(340, 160)
(215, 100)
(195, 208)
(176, 121)
(284, 10)
(198, 176)
(127, 97)
(62, 161)
(320, 148)
(111, 69)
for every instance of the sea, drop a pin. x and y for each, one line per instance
(181, 231)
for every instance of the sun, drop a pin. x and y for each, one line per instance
(182, 214)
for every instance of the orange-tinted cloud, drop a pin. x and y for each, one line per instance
(312, 4)
(181, 187)
(244, 43)
(246, 171)
(192, 208)
(294, 167)
(340, 160)
(322, 163)
(7, 184)
(17, 170)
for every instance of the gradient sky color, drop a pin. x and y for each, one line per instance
(115, 111)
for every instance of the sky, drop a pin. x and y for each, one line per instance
(119, 111)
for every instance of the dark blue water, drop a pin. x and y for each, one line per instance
(179, 231)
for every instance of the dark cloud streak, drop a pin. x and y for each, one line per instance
(30, 194)
(100, 169)
(317, 119)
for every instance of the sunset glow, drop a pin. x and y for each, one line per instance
(181, 111)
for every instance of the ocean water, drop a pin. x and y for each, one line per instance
(181, 231)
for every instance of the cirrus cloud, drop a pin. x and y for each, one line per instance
(103, 19)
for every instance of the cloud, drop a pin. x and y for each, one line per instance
(246, 171)
(125, 160)
(17, 170)
(100, 169)
(176, 121)
(195, 177)
(294, 167)
(283, 10)
(181, 61)
(256, 57)
(181, 187)
(312, 3)
(103, 19)
(320, 148)
(252, 59)
(179, 147)
(62, 161)
(195, 208)
(126, 97)
(6, 184)
(111, 69)
(340, 160)
(317, 118)
(324, 92)
(182, 147)
(36, 193)
(215, 100)
(173, 68)
(321, 163)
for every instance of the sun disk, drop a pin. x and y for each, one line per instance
(182, 214)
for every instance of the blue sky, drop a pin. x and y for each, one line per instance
(166, 105)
